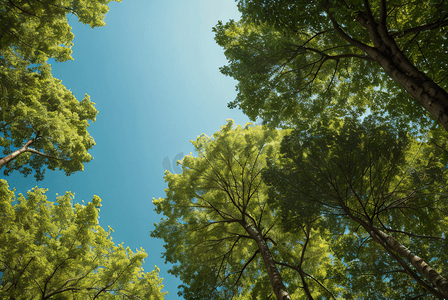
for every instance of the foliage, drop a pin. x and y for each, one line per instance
(54, 250)
(38, 30)
(296, 61)
(41, 117)
(59, 251)
(208, 209)
(41, 122)
(361, 176)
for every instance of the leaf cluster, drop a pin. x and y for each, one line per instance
(37, 30)
(349, 173)
(58, 250)
(36, 107)
(293, 65)
(36, 110)
(205, 213)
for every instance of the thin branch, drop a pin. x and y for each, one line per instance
(113, 282)
(426, 61)
(332, 77)
(314, 36)
(439, 82)
(319, 283)
(384, 273)
(430, 26)
(337, 57)
(21, 9)
(22, 272)
(53, 273)
(346, 37)
(244, 267)
(43, 154)
(410, 234)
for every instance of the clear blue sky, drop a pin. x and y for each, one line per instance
(153, 74)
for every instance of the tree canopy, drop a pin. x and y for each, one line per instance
(344, 209)
(41, 123)
(298, 60)
(38, 30)
(57, 250)
(54, 250)
(381, 193)
(379, 186)
(223, 237)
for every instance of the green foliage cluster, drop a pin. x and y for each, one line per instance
(207, 210)
(344, 207)
(350, 174)
(36, 107)
(41, 123)
(37, 30)
(57, 250)
(299, 60)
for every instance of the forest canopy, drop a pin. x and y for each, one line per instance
(298, 60)
(340, 194)
(356, 92)
(309, 213)
(54, 249)
(58, 250)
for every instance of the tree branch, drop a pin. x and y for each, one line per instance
(113, 282)
(430, 26)
(43, 154)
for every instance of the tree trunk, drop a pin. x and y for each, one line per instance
(430, 95)
(389, 243)
(422, 267)
(274, 274)
(12, 156)
(305, 284)
(387, 54)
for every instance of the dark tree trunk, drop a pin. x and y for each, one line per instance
(423, 89)
(391, 58)
(439, 284)
(274, 274)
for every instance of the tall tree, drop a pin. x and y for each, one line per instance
(59, 251)
(297, 60)
(383, 195)
(41, 123)
(220, 232)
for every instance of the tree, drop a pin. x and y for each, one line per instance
(383, 195)
(298, 60)
(37, 30)
(222, 235)
(41, 122)
(59, 251)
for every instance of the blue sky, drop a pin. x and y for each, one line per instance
(153, 73)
